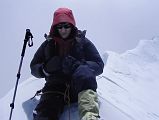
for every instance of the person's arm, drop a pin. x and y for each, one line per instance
(93, 58)
(37, 62)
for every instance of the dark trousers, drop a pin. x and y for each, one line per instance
(50, 107)
(53, 100)
(51, 104)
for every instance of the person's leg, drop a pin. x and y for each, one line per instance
(88, 105)
(85, 84)
(49, 108)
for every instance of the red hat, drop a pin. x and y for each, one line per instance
(62, 15)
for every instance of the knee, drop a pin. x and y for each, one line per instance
(83, 78)
(83, 72)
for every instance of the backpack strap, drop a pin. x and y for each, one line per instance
(47, 37)
(80, 35)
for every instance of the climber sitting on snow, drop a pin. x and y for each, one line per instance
(69, 62)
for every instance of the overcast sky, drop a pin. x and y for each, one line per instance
(114, 25)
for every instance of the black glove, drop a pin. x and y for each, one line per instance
(53, 65)
(70, 64)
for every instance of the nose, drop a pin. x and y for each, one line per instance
(63, 29)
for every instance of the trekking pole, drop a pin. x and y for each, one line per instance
(28, 39)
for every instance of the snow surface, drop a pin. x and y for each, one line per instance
(127, 89)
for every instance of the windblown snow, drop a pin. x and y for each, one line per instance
(128, 88)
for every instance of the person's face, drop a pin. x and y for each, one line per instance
(64, 30)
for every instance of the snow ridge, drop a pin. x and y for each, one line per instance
(127, 89)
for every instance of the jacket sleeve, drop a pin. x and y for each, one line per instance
(37, 62)
(93, 58)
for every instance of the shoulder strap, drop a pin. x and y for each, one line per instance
(47, 37)
(81, 34)
(80, 37)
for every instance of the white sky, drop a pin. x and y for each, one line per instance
(114, 25)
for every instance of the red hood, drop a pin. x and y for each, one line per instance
(62, 15)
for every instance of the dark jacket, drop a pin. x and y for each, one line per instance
(81, 49)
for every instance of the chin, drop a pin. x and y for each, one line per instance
(64, 37)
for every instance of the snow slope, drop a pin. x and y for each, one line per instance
(127, 89)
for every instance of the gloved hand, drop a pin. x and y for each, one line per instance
(53, 65)
(70, 64)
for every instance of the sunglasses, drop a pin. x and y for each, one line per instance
(64, 25)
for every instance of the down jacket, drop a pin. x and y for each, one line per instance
(81, 49)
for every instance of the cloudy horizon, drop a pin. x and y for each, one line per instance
(114, 25)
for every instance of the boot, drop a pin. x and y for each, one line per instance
(88, 105)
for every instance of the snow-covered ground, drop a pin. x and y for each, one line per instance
(127, 89)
